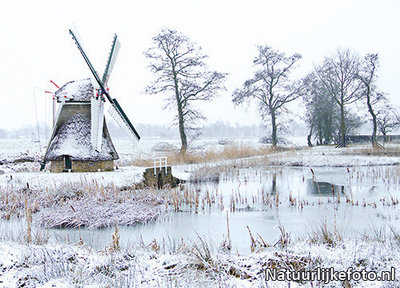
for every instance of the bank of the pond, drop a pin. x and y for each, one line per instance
(195, 264)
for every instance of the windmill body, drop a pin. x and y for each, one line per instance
(70, 147)
(80, 141)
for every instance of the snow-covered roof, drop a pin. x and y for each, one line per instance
(76, 91)
(72, 137)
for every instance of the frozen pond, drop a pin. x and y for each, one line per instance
(355, 201)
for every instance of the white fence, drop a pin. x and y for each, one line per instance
(160, 162)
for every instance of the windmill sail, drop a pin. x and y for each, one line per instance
(97, 103)
(97, 106)
(97, 121)
(111, 59)
(120, 117)
(115, 110)
(86, 59)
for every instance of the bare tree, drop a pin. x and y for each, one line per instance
(270, 86)
(181, 74)
(367, 75)
(339, 74)
(388, 119)
(322, 113)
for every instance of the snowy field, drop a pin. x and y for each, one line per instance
(13, 150)
(300, 208)
(329, 156)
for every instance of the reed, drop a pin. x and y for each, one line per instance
(115, 239)
(284, 237)
(28, 215)
(229, 244)
(325, 236)
(256, 244)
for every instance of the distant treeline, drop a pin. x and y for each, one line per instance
(28, 132)
(217, 129)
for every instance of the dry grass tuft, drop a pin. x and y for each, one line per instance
(233, 151)
(326, 236)
(229, 152)
(102, 207)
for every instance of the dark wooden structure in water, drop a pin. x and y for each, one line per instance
(160, 177)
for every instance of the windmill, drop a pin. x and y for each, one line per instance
(80, 140)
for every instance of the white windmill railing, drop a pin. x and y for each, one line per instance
(160, 161)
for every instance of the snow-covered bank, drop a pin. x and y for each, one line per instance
(329, 156)
(123, 177)
(189, 265)
(310, 160)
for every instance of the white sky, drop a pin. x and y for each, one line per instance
(36, 46)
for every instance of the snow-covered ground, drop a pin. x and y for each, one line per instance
(13, 152)
(191, 265)
(17, 172)
(123, 177)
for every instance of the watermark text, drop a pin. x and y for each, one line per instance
(326, 275)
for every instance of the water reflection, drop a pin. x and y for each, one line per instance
(273, 189)
(323, 188)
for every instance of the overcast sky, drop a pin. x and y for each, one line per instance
(37, 48)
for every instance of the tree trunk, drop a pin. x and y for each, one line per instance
(309, 137)
(342, 127)
(375, 126)
(182, 134)
(320, 137)
(273, 122)
(181, 122)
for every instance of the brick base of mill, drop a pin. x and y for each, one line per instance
(82, 166)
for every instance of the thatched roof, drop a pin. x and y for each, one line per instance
(71, 136)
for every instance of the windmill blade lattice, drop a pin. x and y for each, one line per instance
(94, 73)
(112, 57)
(119, 116)
(97, 121)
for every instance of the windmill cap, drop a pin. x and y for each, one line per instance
(76, 91)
